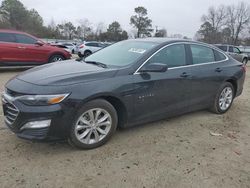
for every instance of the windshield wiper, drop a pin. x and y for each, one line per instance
(97, 63)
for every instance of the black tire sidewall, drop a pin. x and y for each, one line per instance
(53, 56)
(245, 61)
(98, 103)
(218, 109)
(87, 53)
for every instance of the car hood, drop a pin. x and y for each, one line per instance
(65, 73)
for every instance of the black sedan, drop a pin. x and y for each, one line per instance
(128, 83)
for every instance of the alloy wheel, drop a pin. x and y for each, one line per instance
(226, 98)
(93, 126)
(55, 59)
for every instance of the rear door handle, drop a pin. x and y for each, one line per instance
(218, 70)
(184, 75)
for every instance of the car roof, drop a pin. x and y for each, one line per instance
(164, 41)
(12, 31)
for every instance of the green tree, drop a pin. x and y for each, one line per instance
(68, 30)
(13, 13)
(114, 31)
(141, 22)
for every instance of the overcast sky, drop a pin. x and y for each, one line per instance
(177, 16)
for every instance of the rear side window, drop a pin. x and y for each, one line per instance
(202, 54)
(224, 48)
(219, 56)
(24, 39)
(7, 37)
(172, 56)
(231, 49)
(92, 44)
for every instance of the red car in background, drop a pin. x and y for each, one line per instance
(21, 49)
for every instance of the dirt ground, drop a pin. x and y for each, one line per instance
(179, 152)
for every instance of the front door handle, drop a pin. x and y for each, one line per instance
(184, 75)
(218, 70)
(21, 47)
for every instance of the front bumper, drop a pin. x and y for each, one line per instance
(16, 115)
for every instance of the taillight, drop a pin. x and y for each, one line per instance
(82, 46)
(244, 68)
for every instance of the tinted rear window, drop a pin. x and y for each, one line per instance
(92, 44)
(202, 54)
(231, 49)
(7, 37)
(224, 48)
(219, 56)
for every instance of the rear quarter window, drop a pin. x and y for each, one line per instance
(219, 56)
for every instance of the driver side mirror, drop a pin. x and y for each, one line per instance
(154, 67)
(39, 43)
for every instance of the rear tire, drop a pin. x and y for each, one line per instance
(223, 99)
(245, 60)
(55, 58)
(94, 125)
(87, 53)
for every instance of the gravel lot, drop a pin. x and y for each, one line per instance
(179, 152)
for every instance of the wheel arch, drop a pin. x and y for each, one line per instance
(56, 53)
(234, 83)
(116, 102)
(87, 51)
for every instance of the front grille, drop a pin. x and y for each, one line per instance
(10, 111)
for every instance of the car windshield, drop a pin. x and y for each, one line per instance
(122, 53)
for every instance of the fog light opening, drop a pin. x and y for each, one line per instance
(37, 124)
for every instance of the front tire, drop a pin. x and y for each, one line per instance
(94, 125)
(224, 99)
(55, 58)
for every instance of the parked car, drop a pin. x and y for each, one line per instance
(70, 46)
(62, 46)
(128, 83)
(234, 52)
(88, 48)
(245, 50)
(19, 48)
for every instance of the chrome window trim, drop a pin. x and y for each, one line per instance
(193, 65)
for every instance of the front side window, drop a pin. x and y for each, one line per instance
(7, 37)
(172, 56)
(24, 39)
(236, 50)
(202, 54)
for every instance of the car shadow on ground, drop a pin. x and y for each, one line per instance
(62, 146)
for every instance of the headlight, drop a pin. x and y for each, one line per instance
(42, 100)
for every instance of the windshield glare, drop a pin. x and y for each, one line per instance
(122, 53)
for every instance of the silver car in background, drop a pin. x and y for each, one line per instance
(88, 48)
(234, 52)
